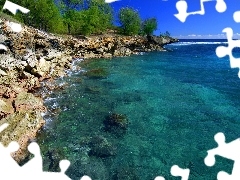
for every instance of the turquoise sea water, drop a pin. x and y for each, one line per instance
(175, 101)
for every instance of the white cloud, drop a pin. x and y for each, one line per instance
(192, 35)
(110, 1)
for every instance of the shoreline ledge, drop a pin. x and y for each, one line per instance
(33, 56)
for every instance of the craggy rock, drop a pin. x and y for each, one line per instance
(116, 124)
(23, 127)
(27, 101)
(161, 40)
(5, 108)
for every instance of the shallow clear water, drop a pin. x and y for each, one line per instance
(175, 102)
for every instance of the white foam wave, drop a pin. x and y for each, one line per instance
(193, 43)
(49, 99)
(76, 69)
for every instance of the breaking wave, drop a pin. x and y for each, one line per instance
(193, 43)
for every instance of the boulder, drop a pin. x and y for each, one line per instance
(6, 108)
(42, 69)
(27, 101)
(117, 124)
(100, 147)
(160, 40)
(23, 127)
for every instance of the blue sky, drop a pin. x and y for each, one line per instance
(209, 25)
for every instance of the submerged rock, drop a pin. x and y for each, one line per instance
(97, 146)
(116, 123)
(100, 147)
(94, 169)
(54, 157)
(96, 73)
(126, 173)
(92, 89)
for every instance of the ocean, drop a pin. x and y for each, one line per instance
(173, 103)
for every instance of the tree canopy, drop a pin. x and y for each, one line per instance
(95, 16)
(84, 17)
(130, 21)
(149, 26)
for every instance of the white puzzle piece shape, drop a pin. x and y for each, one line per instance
(230, 151)
(177, 171)
(222, 51)
(182, 7)
(13, 8)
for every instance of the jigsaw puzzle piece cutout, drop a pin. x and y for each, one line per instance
(222, 51)
(10, 165)
(159, 178)
(13, 8)
(230, 151)
(182, 7)
(236, 16)
(221, 6)
(235, 173)
(85, 178)
(225, 176)
(53, 175)
(63, 164)
(177, 171)
(182, 15)
(35, 164)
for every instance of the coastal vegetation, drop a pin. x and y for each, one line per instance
(149, 26)
(81, 17)
(130, 21)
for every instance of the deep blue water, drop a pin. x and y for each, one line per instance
(175, 101)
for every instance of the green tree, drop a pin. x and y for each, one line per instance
(70, 14)
(45, 15)
(72, 19)
(96, 18)
(166, 34)
(149, 26)
(130, 21)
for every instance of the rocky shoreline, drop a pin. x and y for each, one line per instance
(33, 56)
